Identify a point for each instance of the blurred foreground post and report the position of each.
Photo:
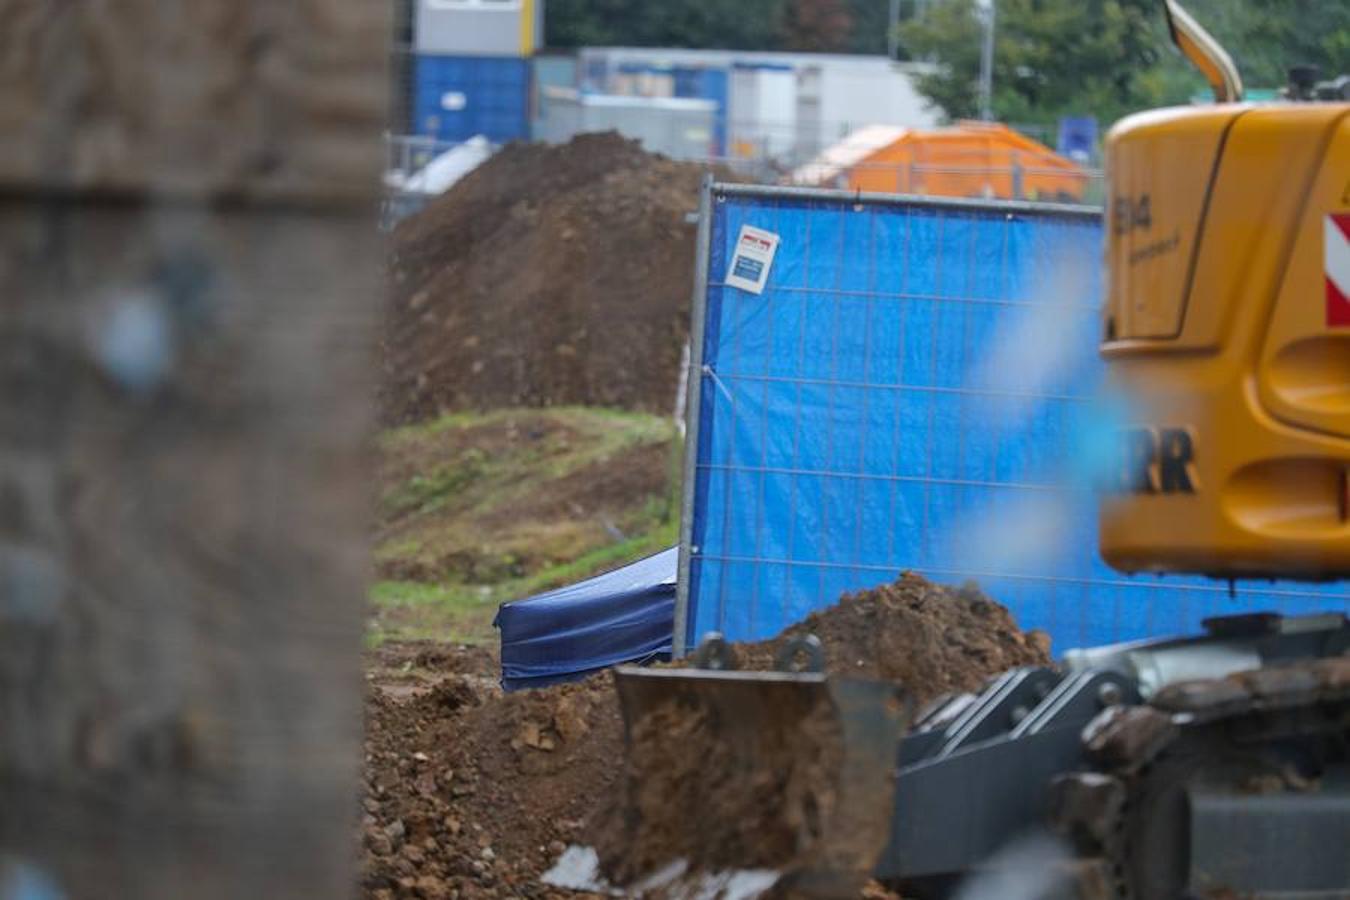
(189, 277)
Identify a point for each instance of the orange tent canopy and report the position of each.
(971, 159)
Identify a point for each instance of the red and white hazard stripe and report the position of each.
(1337, 231)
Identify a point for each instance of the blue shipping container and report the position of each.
(706, 84)
(596, 76)
(458, 97)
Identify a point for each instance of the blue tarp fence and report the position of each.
(621, 616)
(914, 388)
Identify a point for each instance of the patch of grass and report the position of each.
(445, 422)
(393, 551)
(410, 609)
(598, 560)
(446, 461)
(423, 493)
(581, 418)
(481, 509)
(463, 613)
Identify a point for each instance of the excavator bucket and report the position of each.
(774, 780)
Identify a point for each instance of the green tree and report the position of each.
(1051, 58)
(1266, 37)
(730, 24)
(816, 25)
(1107, 58)
(948, 35)
(871, 19)
(836, 26)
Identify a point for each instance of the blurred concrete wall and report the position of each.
(252, 98)
(189, 281)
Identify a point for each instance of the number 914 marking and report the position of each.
(1131, 213)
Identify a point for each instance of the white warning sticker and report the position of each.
(750, 264)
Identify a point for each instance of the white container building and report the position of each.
(785, 107)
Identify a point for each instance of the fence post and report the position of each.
(698, 308)
(189, 278)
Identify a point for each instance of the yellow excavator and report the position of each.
(1215, 765)
(1228, 331)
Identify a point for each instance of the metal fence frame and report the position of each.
(1117, 609)
(694, 396)
(1091, 182)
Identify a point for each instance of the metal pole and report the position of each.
(987, 63)
(817, 195)
(698, 308)
(893, 31)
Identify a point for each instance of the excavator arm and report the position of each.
(1205, 53)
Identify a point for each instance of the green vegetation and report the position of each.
(1108, 58)
(476, 510)
(1053, 58)
(464, 613)
(426, 493)
(1266, 37)
(739, 24)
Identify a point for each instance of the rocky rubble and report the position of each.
(470, 793)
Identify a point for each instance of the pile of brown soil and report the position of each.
(768, 808)
(930, 638)
(550, 275)
(762, 788)
(413, 662)
(470, 793)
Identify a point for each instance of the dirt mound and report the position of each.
(767, 810)
(397, 659)
(763, 795)
(472, 793)
(550, 275)
(930, 638)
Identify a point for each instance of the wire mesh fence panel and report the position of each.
(914, 388)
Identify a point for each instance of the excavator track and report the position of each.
(1229, 787)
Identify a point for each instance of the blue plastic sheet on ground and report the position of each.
(915, 388)
(619, 617)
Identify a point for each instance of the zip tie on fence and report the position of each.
(718, 383)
